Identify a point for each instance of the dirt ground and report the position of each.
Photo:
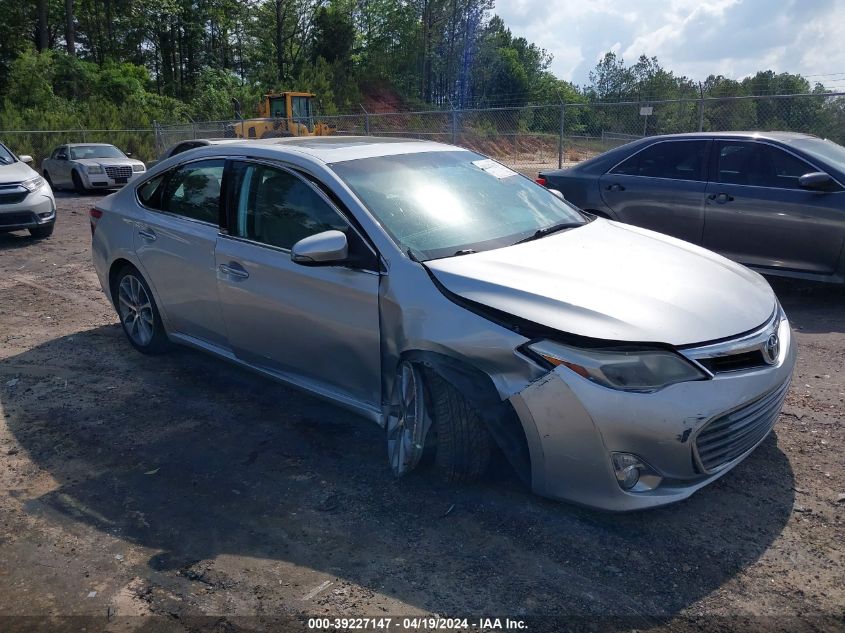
(182, 487)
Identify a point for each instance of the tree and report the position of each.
(70, 29)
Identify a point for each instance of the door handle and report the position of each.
(615, 187)
(147, 234)
(721, 198)
(233, 269)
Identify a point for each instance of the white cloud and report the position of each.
(690, 37)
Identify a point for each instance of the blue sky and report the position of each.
(734, 38)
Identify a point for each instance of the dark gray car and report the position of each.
(771, 200)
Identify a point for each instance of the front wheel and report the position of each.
(138, 313)
(423, 403)
(77, 184)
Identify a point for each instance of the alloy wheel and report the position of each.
(136, 310)
(408, 422)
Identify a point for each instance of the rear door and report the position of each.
(317, 326)
(175, 243)
(661, 187)
(758, 214)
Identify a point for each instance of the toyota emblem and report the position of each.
(771, 350)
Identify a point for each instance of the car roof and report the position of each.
(335, 149)
(87, 145)
(775, 136)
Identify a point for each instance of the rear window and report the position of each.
(676, 160)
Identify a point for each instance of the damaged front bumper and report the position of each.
(574, 427)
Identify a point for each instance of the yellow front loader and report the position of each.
(283, 114)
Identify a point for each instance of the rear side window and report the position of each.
(676, 160)
(275, 207)
(759, 165)
(192, 191)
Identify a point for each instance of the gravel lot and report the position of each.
(180, 486)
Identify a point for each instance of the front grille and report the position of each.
(734, 362)
(124, 171)
(15, 219)
(732, 435)
(12, 194)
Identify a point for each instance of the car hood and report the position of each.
(107, 161)
(16, 172)
(617, 282)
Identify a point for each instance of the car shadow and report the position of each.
(192, 457)
(17, 239)
(817, 308)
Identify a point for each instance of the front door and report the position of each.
(175, 241)
(317, 326)
(662, 188)
(758, 214)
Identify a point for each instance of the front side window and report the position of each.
(440, 203)
(276, 208)
(676, 160)
(759, 165)
(192, 191)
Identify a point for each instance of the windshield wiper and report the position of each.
(554, 228)
(463, 251)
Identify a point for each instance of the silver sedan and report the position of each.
(460, 306)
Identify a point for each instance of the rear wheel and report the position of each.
(41, 232)
(48, 179)
(77, 183)
(138, 313)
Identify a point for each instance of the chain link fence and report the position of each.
(529, 138)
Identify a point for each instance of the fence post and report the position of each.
(700, 107)
(560, 136)
(366, 120)
(454, 122)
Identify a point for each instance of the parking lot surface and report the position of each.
(181, 486)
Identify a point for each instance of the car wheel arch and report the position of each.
(479, 389)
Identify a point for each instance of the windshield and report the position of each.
(95, 151)
(825, 150)
(438, 204)
(6, 157)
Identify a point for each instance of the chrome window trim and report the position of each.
(650, 145)
(278, 164)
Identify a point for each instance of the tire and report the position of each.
(42, 232)
(138, 313)
(464, 446)
(77, 184)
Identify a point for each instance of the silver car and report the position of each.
(460, 306)
(90, 166)
(26, 200)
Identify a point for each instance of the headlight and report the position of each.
(137, 168)
(632, 369)
(33, 184)
(94, 169)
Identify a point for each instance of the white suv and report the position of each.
(26, 199)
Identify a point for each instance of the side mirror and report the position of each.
(26, 158)
(61, 156)
(328, 247)
(815, 180)
(128, 153)
(557, 193)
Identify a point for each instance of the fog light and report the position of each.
(633, 473)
